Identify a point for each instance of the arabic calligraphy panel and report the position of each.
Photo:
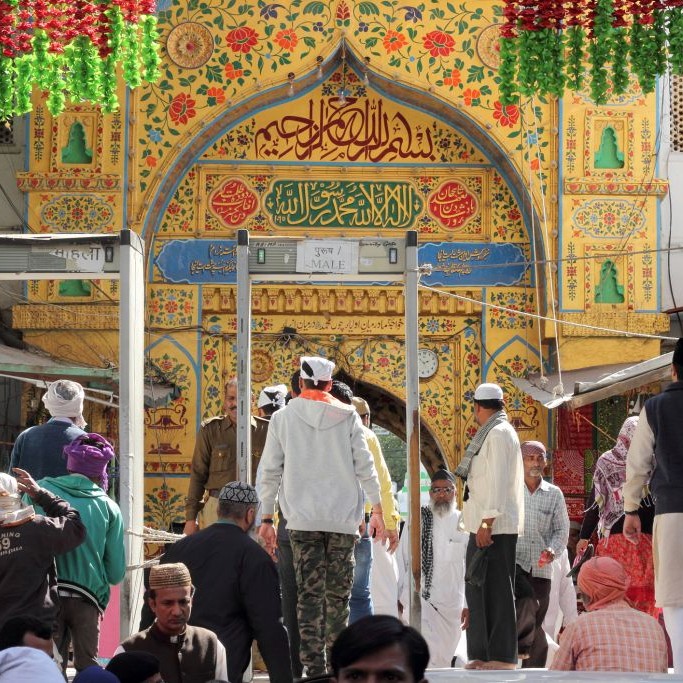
(232, 202)
(343, 204)
(453, 205)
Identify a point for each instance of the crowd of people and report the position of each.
(293, 568)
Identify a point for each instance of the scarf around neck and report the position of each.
(463, 469)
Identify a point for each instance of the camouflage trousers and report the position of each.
(323, 562)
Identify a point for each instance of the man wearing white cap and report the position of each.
(271, 399)
(39, 449)
(493, 515)
(315, 460)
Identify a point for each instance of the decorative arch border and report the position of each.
(396, 90)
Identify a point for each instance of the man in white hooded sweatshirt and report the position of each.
(315, 461)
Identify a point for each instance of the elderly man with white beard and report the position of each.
(442, 593)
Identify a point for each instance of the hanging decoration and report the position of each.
(71, 49)
(547, 46)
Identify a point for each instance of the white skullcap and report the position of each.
(64, 398)
(488, 392)
(316, 368)
(272, 396)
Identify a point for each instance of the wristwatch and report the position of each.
(484, 525)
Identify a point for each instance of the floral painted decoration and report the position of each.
(545, 44)
(71, 49)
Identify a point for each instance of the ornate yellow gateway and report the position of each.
(352, 119)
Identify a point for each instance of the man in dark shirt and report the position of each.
(237, 589)
(28, 545)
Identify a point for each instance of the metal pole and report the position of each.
(243, 358)
(413, 427)
(131, 419)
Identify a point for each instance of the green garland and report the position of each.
(509, 92)
(81, 73)
(576, 37)
(600, 50)
(674, 24)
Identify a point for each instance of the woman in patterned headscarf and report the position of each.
(606, 512)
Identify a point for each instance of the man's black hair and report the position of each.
(233, 510)
(677, 359)
(377, 632)
(342, 392)
(15, 628)
(294, 383)
(491, 403)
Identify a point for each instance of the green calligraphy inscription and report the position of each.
(343, 204)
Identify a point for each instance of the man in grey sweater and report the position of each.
(315, 460)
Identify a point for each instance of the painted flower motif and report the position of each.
(233, 70)
(383, 362)
(241, 39)
(471, 97)
(212, 392)
(343, 12)
(173, 208)
(432, 325)
(505, 115)
(171, 307)
(269, 11)
(215, 96)
(609, 218)
(534, 165)
(210, 355)
(163, 494)
(452, 78)
(514, 215)
(154, 135)
(470, 432)
(432, 411)
(182, 108)
(438, 43)
(393, 41)
(286, 39)
(151, 161)
(412, 14)
(473, 359)
(363, 27)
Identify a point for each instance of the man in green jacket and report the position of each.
(85, 573)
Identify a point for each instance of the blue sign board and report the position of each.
(454, 264)
(472, 264)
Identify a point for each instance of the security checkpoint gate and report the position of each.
(118, 256)
(303, 260)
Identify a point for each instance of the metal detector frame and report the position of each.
(131, 381)
(409, 278)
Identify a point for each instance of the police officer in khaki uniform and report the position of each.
(214, 462)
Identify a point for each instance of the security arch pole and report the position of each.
(131, 420)
(413, 427)
(243, 358)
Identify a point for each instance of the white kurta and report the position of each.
(562, 609)
(441, 613)
(384, 581)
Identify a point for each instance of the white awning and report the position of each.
(588, 385)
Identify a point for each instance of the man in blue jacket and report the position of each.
(85, 573)
(40, 449)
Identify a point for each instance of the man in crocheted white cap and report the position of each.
(315, 460)
(40, 449)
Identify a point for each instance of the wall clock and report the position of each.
(427, 363)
